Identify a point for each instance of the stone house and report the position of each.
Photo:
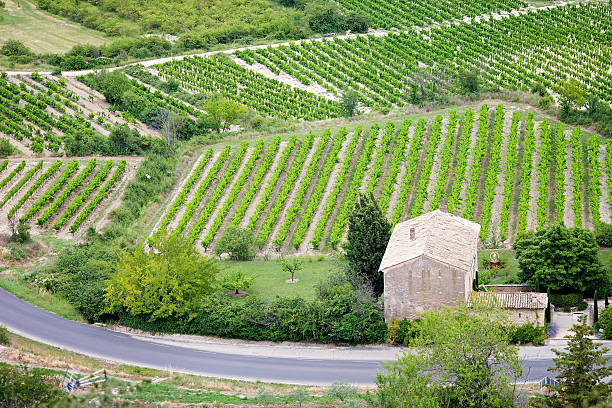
(431, 260)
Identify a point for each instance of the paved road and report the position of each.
(32, 322)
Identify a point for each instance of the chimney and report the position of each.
(412, 234)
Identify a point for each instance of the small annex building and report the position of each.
(430, 261)
(524, 307)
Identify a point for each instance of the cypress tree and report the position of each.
(547, 312)
(537, 285)
(606, 298)
(367, 239)
(595, 311)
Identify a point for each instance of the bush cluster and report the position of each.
(21, 387)
(605, 322)
(341, 315)
(603, 234)
(567, 300)
(528, 333)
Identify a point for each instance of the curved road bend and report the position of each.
(34, 323)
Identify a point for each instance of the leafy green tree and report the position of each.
(291, 265)
(237, 281)
(605, 322)
(167, 280)
(582, 370)
(572, 95)
(462, 358)
(348, 103)
(6, 148)
(14, 48)
(367, 239)
(221, 113)
(469, 82)
(112, 85)
(562, 259)
(238, 243)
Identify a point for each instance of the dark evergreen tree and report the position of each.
(595, 311)
(367, 239)
(582, 370)
(547, 312)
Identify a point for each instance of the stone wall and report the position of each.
(523, 316)
(423, 284)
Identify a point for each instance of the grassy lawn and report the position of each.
(43, 33)
(270, 281)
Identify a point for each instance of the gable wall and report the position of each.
(423, 284)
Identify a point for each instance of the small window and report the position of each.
(519, 315)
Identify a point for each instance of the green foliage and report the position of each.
(342, 391)
(6, 148)
(339, 315)
(368, 235)
(460, 352)
(4, 338)
(348, 103)
(468, 82)
(237, 281)
(238, 243)
(528, 333)
(21, 234)
(221, 113)
(14, 48)
(561, 258)
(23, 388)
(603, 234)
(605, 322)
(572, 95)
(595, 310)
(566, 300)
(169, 279)
(581, 372)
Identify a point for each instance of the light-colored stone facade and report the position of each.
(423, 284)
(523, 316)
(430, 261)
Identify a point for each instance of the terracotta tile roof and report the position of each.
(518, 300)
(438, 235)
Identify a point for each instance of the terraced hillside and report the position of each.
(63, 196)
(40, 114)
(497, 166)
(305, 79)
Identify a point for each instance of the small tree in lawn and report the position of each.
(582, 369)
(291, 265)
(367, 239)
(237, 281)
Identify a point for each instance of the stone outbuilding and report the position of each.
(524, 307)
(430, 261)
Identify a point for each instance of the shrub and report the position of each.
(603, 234)
(4, 338)
(6, 148)
(21, 234)
(545, 102)
(23, 388)
(605, 322)
(15, 48)
(528, 333)
(342, 316)
(16, 253)
(567, 300)
(238, 243)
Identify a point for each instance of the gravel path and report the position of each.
(257, 198)
(498, 198)
(604, 203)
(435, 168)
(533, 183)
(306, 247)
(568, 214)
(401, 173)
